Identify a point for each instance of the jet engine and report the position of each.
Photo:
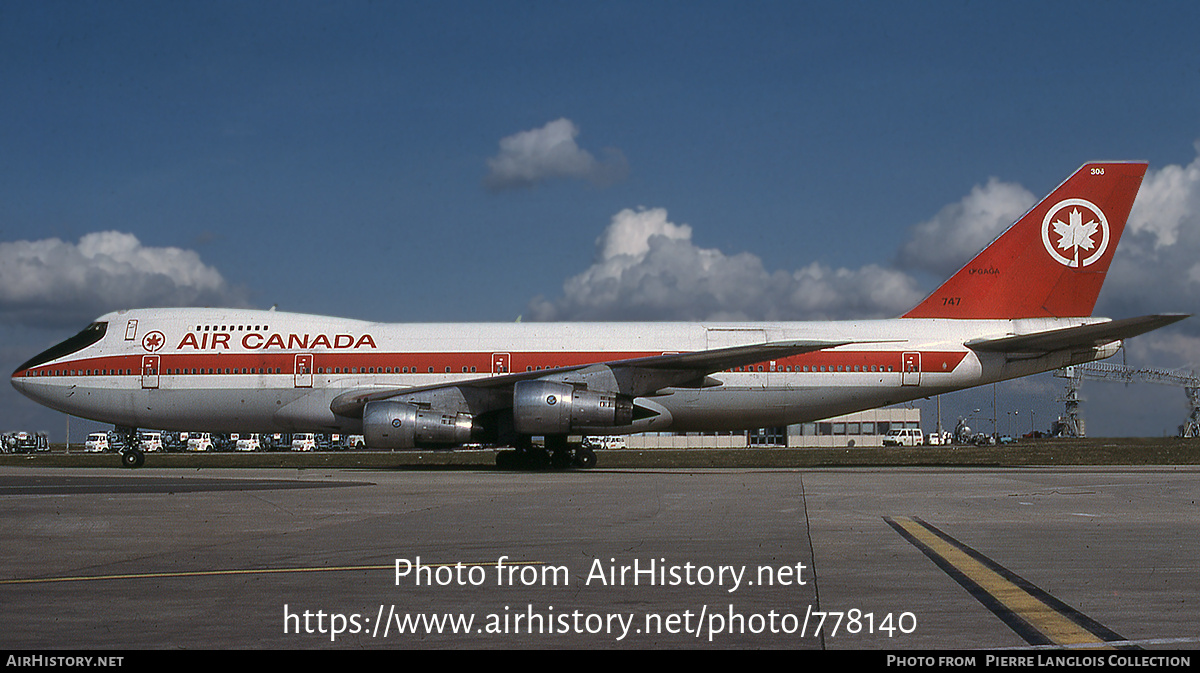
(399, 425)
(553, 408)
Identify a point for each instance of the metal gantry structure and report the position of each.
(1071, 424)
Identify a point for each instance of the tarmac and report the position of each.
(462, 557)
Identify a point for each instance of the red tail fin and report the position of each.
(1052, 262)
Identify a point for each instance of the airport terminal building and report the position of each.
(862, 429)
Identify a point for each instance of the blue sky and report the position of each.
(473, 161)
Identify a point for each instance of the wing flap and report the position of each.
(1081, 336)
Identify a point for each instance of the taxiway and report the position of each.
(864, 558)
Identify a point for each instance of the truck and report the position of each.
(304, 441)
(97, 442)
(199, 441)
(24, 442)
(150, 441)
(247, 443)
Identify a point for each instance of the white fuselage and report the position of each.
(227, 370)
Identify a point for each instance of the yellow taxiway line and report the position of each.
(1035, 615)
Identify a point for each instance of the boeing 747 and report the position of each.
(1022, 306)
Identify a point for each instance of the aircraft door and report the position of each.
(501, 363)
(150, 371)
(910, 367)
(304, 370)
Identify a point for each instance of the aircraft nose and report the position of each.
(26, 385)
(20, 382)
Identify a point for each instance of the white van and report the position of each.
(97, 442)
(150, 441)
(903, 437)
(605, 442)
(304, 441)
(247, 443)
(199, 441)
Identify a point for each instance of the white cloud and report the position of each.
(628, 237)
(647, 268)
(945, 243)
(1168, 202)
(531, 157)
(1168, 348)
(52, 283)
(1155, 268)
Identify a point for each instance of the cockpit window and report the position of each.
(90, 335)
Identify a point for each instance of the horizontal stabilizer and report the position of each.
(1082, 336)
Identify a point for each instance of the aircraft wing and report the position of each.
(701, 363)
(634, 377)
(1081, 336)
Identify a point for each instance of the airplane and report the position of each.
(1022, 306)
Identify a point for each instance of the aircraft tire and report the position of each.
(585, 458)
(133, 459)
(536, 459)
(561, 459)
(507, 460)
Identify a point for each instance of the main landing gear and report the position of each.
(131, 452)
(555, 453)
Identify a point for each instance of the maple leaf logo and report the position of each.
(1074, 233)
(153, 341)
(1080, 240)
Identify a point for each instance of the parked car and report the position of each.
(983, 439)
(903, 437)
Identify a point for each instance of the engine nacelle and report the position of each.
(399, 425)
(552, 408)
